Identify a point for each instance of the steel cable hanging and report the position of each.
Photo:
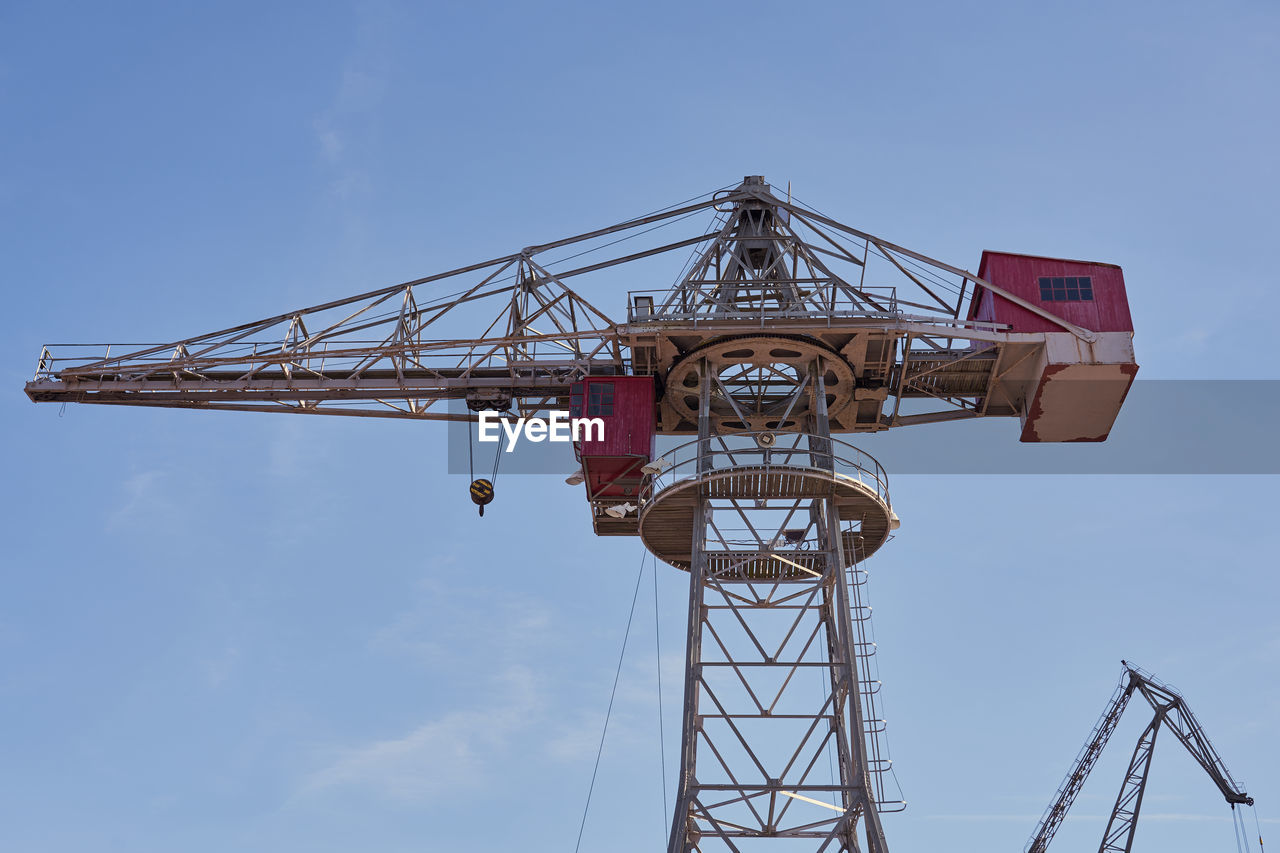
(436, 300)
(662, 736)
(713, 226)
(471, 468)
(831, 764)
(662, 224)
(552, 264)
(609, 711)
(497, 457)
(931, 274)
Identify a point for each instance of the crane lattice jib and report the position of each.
(1089, 753)
(1170, 710)
(893, 323)
(1186, 728)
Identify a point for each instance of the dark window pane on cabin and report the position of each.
(599, 399)
(1066, 288)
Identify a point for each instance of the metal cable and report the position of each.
(714, 226)
(1257, 825)
(609, 711)
(497, 457)
(558, 261)
(924, 270)
(724, 188)
(662, 224)
(825, 687)
(662, 736)
(471, 456)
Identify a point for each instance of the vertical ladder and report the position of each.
(879, 762)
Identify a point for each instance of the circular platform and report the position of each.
(737, 471)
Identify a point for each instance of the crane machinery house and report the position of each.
(1076, 383)
(612, 458)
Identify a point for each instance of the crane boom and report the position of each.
(1172, 712)
(1074, 781)
(1177, 717)
(901, 330)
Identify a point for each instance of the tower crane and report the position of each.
(1171, 711)
(783, 328)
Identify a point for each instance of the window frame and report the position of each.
(1073, 288)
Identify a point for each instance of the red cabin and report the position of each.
(1088, 294)
(611, 461)
(1076, 387)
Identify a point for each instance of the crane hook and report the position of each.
(481, 493)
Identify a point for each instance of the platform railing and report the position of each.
(136, 361)
(766, 300)
(765, 452)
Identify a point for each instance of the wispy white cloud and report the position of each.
(451, 753)
(291, 452)
(985, 818)
(360, 91)
(330, 142)
(1156, 817)
(143, 499)
(575, 740)
(343, 128)
(633, 726)
(462, 749)
(219, 668)
(429, 628)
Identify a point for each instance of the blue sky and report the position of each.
(224, 631)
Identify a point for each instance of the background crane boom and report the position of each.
(1171, 711)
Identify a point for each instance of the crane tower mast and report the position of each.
(784, 329)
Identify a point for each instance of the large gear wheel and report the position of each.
(758, 377)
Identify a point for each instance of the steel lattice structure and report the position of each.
(783, 327)
(775, 529)
(762, 264)
(1172, 712)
